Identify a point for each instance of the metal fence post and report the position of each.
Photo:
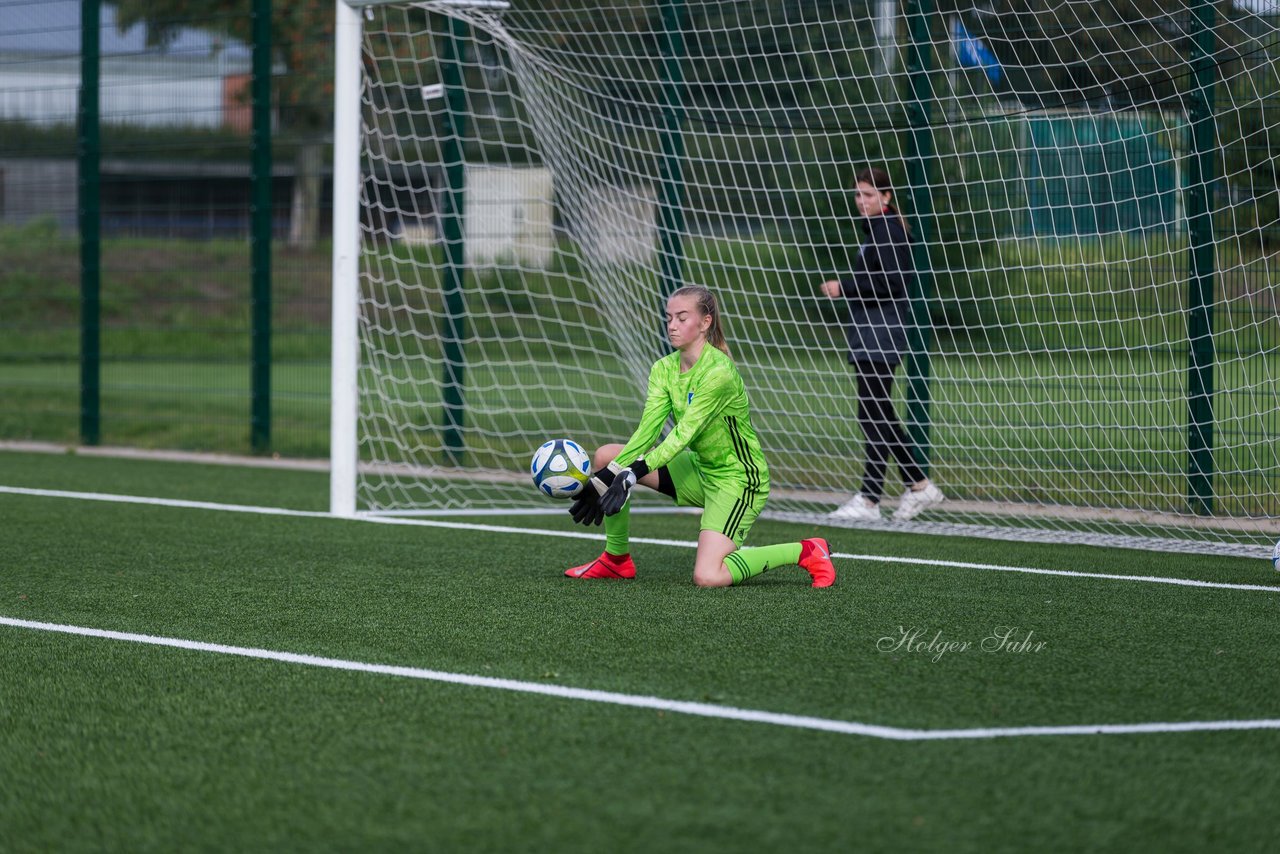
(452, 228)
(1201, 284)
(88, 212)
(675, 17)
(920, 154)
(260, 380)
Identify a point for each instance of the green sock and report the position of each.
(748, 563)
(617, 531)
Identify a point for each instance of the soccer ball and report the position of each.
(560, 468)
(1275, 557)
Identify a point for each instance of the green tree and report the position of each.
(1116, 54)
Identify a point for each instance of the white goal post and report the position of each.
(345, 352)
(348, 135)
(1094, 351)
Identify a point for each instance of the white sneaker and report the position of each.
(859, 509)
(915, 500)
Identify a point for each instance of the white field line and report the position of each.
(703, 710)
(585, 535)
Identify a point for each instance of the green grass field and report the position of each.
(1062, 380)
(203, 726)
(1006, 429)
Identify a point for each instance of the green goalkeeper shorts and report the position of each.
(728, 506)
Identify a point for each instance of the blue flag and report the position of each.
(974, 53)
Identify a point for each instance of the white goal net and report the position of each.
(1091, 187)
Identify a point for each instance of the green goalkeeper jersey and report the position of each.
(709, 406)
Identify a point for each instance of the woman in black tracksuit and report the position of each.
(879, 307)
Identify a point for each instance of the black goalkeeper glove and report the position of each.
(586, 507)
(616, 495)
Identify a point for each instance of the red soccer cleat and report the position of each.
(815, 557)
(605, 566)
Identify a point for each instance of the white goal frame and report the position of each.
(346, 471)
(344, 412)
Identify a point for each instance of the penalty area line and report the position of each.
(584, 535)
(703, 710)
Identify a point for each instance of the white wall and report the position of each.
(508, 215)
(156, 94)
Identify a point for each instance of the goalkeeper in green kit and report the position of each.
(712, 459)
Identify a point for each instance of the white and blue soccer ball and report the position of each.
(1275, 557)
(560, 468)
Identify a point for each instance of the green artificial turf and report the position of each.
(113, 745)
